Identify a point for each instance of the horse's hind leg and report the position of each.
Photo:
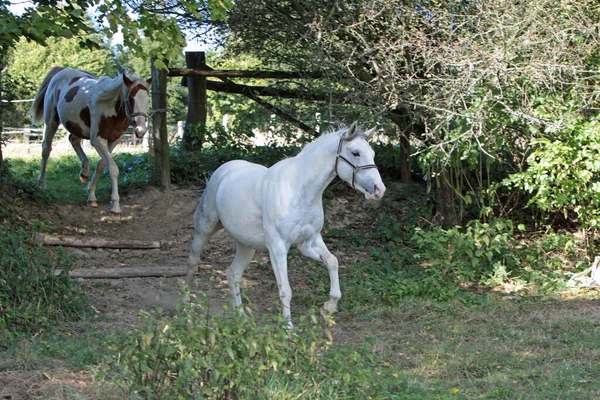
(206, 223)
(50, 126)
(243, 256)
(76, 143)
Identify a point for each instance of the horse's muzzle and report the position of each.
(140, 132)
(379, 191)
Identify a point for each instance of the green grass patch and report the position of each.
(32, 297)
(62, 176)
(66, 346)
(503, 348)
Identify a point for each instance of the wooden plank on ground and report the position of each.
(96, 242)
(126, 272)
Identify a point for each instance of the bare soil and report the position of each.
(155, 215)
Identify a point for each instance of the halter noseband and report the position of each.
(131, 116)
(355, 168)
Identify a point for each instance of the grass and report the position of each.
(62, 176)
(493, 346)
(503, 348)
(64, 346)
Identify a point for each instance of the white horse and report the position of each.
(98, 109)
(282, 206)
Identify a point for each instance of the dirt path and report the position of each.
(155, 215)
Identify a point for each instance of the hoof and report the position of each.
(83, 178)
(115, 215)
(93, 203)
(327, 316)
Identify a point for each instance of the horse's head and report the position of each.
(355, 163)
(138, 98)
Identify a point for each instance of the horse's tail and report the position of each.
(37, 108)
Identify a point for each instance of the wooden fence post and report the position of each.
(162, 170)
(2, 65)
(196, 116)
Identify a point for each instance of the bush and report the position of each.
(31, 296)
(195, 354)
(444, 264)
(562, 175)
(226, 355)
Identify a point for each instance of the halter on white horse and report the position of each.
(279, 207)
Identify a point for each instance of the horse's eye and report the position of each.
(355, 153)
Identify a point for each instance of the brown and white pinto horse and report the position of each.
(98, 109)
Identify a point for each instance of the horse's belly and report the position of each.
(238, 204)
(75, 118)
(243, 222)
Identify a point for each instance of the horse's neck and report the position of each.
(315, 168)
(111, 96)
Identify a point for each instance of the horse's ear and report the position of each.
(368, 133)
(352, 131)
(149, 80)
(126, 80)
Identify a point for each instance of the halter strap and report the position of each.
(131, 116)
(355, 168)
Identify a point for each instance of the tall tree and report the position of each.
(29, 62)
(466, 79)
(165, 23)
(37, 23)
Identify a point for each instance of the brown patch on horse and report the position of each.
(71, 94)
(112, 128)
(135, 89)
(84, 114)
(75, 129)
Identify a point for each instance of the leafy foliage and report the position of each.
(31, 295)
(200, 353)
(164, 24)
(29, 62)
(41, 21)
(563, 175)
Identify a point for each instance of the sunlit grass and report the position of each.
(62, 175)
(502, 348)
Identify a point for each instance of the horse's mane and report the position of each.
(318, 141)
(108, 89)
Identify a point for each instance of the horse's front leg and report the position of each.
(104, 149)
(76, 143)
(278, 254)
(316, 249)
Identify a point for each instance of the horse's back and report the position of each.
(234, 192)
(68, 94)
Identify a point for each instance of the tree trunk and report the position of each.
(196, 116)
(402, 123)
(446, 199)
(1, 117)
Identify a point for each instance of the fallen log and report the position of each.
(126, 272)
(95, 242)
